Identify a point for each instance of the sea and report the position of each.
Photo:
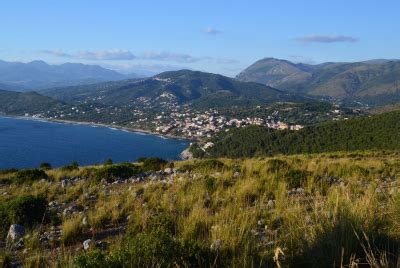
(25, 143)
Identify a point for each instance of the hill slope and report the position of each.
(366, 133)
(38, 74)
(26, 102)
(184, 87)
(376, 82)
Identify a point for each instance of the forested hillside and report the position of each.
(366, 133)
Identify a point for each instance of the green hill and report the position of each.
(27, 102)
(365, 133)
(184, 87)
(375, 82)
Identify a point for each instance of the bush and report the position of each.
(45, 166)
(71, 167)
(25, 210)
(108, 162)
(93, 259)
(153, 164)
(209, 183)
(29, 175)
(296, 178)
(109, 173)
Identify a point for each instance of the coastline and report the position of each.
(133, 130)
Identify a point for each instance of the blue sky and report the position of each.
(216, 36)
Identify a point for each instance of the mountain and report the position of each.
(376, 82)
(26, 102)
(183, 87)
(378, 132)
(38, 75)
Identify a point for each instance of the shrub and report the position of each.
(73, 166)
(109, 173)
(296, 178)
(29, 175)
(153, 164)
(25, 210)
(45, 166)
(108, 162)
(209, 183)
(93, 259)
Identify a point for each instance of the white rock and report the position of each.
(16, 232)
(87, 244)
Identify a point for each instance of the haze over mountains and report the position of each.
(35, 75)
(373, 81)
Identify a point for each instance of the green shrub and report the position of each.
(93, 259)
(71, 167)
(153, 164)
(29, 175)
(109, 173)
(296, 178)
(45, 166)
(209, 183)
(25, 210)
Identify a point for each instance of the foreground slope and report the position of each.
(365, 133)
(293, 211)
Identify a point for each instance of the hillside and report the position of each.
(183, 87)
(297, 211)
(38, 75)
(378, 132)
(376, 82)
(26, 102)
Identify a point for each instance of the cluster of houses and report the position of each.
(205, 124)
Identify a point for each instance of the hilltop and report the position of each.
(183, 87)
(19, 103)
(375, 82)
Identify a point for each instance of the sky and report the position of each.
(216, 36)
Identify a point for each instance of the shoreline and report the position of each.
(133, 130)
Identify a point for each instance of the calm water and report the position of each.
(27, 143)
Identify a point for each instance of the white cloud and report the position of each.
(93, 55)
(212, 31)
(327, 39)
(168, 56)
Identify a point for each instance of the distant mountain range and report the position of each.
(374, 81)
(35, 75)
(184, 87)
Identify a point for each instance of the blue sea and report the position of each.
(26, 143)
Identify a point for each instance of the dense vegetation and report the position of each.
(365, 133)
(28, 102)
(342, 212)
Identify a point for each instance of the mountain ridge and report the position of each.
(35, 75)
(374, 81)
